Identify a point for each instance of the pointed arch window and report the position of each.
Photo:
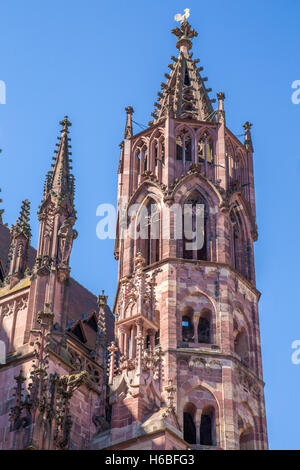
(241, 346)
(240, 251)
(145, 152)
(204, 328)
(194, 206)
(205, 149)
(189, 428)
(188, 148)
(207, 427)
(138, 163)
(187, 325)
(152, 245)
(184, 147)
(201, 151)
(179, 148)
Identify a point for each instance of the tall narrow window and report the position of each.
(187, 325)
(201, 151)
(241, 347)
(162, 152)
(204, 329)
(206, 427)
(188, 148)
(145, 150)
(195, 225)
(155, 153)
(209, 151)
(151, 245)
(138, 163)
(179, 148)
(189, 430)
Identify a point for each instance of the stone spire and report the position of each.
(184, 93)
(20, 235)
(60, 180)
(57, 217)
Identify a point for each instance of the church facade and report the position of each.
(183, 346)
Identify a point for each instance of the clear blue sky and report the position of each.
(91, 59)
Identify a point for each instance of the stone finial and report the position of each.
(221, 96)
(248, 139)
(221, 113)
(128, 128)
(65, 123)
(102, 300)
(184, 34)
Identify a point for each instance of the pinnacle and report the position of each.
(22, 224)
(59, 179)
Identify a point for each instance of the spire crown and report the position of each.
(184, 34)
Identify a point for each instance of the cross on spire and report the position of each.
(65, 123)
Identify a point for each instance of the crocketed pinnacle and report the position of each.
(22, 225)
(60, 180)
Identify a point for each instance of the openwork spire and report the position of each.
(184, 94)
(60, 180)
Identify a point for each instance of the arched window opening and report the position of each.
(240, 257)
(138, 163)
(155, 153)
(207, 427)
(147, 342)
(247, 440)
(189, 428)
(201, 151)
(204, 328)
(193, 208)
(187, 325)
(205, 149)
(162, 155)
(241, 346)
(151, 244)
(145, 152)
(188, 148)
(184, 147)
(187, 81)
(179, 148)
(209, 151)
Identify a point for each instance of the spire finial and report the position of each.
(128, 128)
(248, 139)
(221, 98)
(65, 123)
(185, 33)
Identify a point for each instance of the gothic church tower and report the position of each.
(185, 370)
